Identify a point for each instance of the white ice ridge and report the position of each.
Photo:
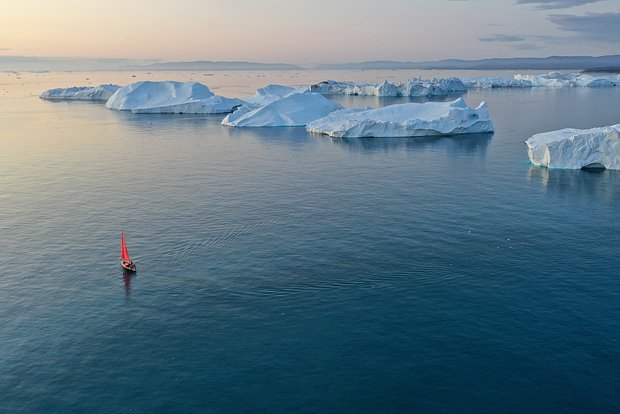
(170, 97)
(576, 148)
(295, 109)
(413, 87)
(560, 79)
(406, 120)
(81, 93)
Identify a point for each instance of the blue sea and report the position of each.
(284, 272)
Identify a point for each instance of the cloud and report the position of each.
(502, 38)
(592, 26)
(514, 41)
(556, 4)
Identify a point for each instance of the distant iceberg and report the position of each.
(432, 87)
(170, 97)
(415, 87)
(563, 80)
(295, 109)
(81, 93)
(332, 87)
(576, 148)
(405, 120)
(497, 82)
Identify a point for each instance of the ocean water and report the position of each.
(284, 272)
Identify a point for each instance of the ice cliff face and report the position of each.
(576, 148)
(170, 97)
(81, 93)
(405, 120)
(295, 109)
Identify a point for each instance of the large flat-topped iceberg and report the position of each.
(170, 97)
(415, 87)
(406, 120)
(296, 109)
(560, 79)
(576, 148)
(81, 93)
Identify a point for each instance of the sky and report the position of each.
(308, 31)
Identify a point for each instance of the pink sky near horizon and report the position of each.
(299, 32)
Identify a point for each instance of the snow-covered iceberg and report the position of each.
(415, 87)
(170, 97)
(405, 120)
(576, 148)
(295, 109)
(497, 82)
(271, 93)
(81, 93)
(563, 80)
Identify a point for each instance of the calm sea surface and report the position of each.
(283, 272)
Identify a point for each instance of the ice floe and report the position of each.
(295, 109)
(415, 87)
(405, 120)
(170, 97)
(576, 148)
(81, 93)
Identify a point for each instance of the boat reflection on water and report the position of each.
(127, 279)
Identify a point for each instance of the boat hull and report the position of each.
(131, 266)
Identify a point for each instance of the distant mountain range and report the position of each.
(547, 63)
(60, 64)
(37, 63)
(211, 65)
(34, 63)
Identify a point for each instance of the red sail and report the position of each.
(124, 253)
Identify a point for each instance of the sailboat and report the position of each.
(126, 262)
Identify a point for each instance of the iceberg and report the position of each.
(296, 109)
(213, 105)
(170, 97)
(81, 93)
(564, 80)
(576, 148)
(271, 93)
(418, 87)
(331, 87)
(432, 87)
(497, 82)
(405, 120)
(415, 87)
